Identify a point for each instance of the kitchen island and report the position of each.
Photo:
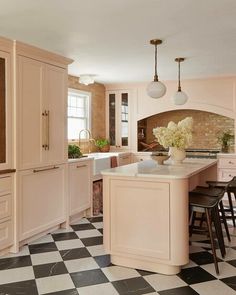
(145, 207)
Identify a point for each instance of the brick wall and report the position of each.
(206, 128)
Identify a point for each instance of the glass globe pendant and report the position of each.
(156, 89)
(180, 97)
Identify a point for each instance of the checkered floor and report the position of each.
(72, 262)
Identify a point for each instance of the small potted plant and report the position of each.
(226, 139)
(74, 151)
(103, 144)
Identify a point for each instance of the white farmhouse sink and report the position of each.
(101, 162)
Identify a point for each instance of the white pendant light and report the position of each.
(156, 89)
(180, 97)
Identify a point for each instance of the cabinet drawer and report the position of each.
(6, 234)
(5, 184)
(227, 163)
(226, 174)
(5, 206)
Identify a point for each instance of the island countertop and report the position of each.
(150, 168)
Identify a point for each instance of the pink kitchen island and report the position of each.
(145, 207)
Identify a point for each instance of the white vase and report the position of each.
(177, 155)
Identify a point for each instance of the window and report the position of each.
(78, 112)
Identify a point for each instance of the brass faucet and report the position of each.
(90, 139)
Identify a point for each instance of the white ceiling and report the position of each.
(110, 38)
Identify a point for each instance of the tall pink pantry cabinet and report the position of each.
(41, 141)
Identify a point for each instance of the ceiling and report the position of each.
(110, 38)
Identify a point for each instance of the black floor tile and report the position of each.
(179, 291)
(201, 258)
(232, 262)
(75, 253)
(65, 292)
(19, 288)
(88, 278)
(92, 241)
(50, 269)
(96, 219)
(83, 226)
(101, 230)
(14, 262)
(231, 282)
(44, 247)
(103, 260)
(194, 275)
(135, 286)
(64, 236)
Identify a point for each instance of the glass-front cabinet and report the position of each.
(5, 110)
(118, 111)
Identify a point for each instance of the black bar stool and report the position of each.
(230, 188)
(214, 192)
(209, 205)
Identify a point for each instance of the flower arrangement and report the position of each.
(175, 135)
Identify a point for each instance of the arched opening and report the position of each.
(208, 127)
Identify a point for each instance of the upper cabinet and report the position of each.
(41, 109)
(6, 50)
(118, 118)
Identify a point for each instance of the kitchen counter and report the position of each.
(150, 168)
(145, 209)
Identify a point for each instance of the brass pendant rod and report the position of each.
(179, 86)
(155, 76)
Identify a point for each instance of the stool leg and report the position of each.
(224, 220)
(191, 222)
(231, 207)
(209, 224)
(218, 229)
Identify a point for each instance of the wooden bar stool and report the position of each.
(209, 205)
(230, 188)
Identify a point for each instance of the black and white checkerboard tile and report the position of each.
(72, 262)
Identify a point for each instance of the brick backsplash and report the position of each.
(206, 128)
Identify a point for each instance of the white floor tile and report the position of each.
(163, 282)
(16, 275)
(88, 233)
(44, 239)
(213, 288)
(23, 251)
(54, 284)
(230, 254)
(101, 289)
(190, 264)
(98, 224)
(44, 258)
(116, 273)
(226, 270)
(81, 264)
(96, 250)
(81, 221)
(69, 244)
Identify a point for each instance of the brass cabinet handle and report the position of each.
(81, 166)
(48, 129)
(230, 162)
(44, 145)
(45, 169)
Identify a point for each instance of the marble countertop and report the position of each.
(150, 168)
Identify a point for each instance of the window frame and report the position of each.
(88, 109)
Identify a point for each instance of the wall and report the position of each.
(214, 95)
(98, 120)
(206, 128)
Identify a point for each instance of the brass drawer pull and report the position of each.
(46, 169)
(81, 166)
(230, 162)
